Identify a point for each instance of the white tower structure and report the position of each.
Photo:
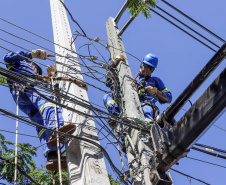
(86, 164)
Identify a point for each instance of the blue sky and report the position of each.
(180, 59)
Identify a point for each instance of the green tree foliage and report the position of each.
(44, 177)
(26, 164)
(137, 6)
(112, 181)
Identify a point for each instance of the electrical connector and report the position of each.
(96, 39)
(94, 57)
(104, 66)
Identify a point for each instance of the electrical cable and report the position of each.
(187, 26)
(18, 133)
(57, 61)
(63, 46)
(209, 153)
(204, 28)
(182, 29)
(20, 81)
(220, 128)
(206, 162)
(70, 136)
(73, 18)
(211, 148)
(190, 176)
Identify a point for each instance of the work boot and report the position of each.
(69, 129)
(52, 161)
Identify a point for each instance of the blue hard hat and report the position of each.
(151, 60)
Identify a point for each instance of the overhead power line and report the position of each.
(182, 29)
(72, 17)
(188, 27)
(209, 153)
(70, 136)
(206, 162)
(211, 148)
(190, 176)
(201, 26)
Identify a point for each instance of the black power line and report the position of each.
(222, 40)
(182, 29)
(206, 162)
(190, 176)
(209, 153)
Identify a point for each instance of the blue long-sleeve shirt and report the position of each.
(154, 82)
(17, 62)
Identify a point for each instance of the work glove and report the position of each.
(38, 53)
(151, 90)
(51, 71)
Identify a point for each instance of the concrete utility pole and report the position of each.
(86, 164)
(140, 174)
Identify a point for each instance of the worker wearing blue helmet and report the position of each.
(150, 90)
(37, 108)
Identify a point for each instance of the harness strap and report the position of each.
(33, 113)
(155, 108)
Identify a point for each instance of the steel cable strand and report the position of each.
(123, 120)
(45, 97)
(60, 45)
(38, 36)
(188, 27)
(182, 29)
(189, 176)
(222, 40)
(67, 135)
(71, 99)
(55, 61)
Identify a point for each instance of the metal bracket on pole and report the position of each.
(125, 26)
(121, 11)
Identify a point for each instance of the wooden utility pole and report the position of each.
(86, 164)
(140, 174)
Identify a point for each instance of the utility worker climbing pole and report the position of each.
(110, 103)
(150, 90)
(37, 108)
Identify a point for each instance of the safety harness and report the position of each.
(144, 101)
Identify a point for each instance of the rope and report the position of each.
(58, 140)
(16, 142)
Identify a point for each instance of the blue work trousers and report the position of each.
(44, 116)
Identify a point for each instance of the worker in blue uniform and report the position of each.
(150, 90)
(37, 108)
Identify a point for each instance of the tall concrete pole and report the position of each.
(131, 108)
(86, 164)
